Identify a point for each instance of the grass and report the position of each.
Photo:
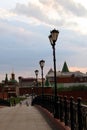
(15, 100)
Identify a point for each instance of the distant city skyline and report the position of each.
(24, 30)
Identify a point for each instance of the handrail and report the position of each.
(72, 113)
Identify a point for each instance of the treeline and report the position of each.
(73, 88)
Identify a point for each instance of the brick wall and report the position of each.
(75, 94)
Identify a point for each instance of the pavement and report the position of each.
(22, 117)
(25, 117)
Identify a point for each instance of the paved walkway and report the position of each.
(23, 118)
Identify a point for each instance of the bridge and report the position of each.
(37, 113)
(24, 116)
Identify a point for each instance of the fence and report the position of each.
(72, 113)
(4, 102)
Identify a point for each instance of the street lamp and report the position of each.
(42, 62)
(36, 73)
(32, 97)
(53, 38)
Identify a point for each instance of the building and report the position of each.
(27, 82)
(10, 86)
(65, 78)
(27, 85)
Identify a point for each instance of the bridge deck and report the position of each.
(24, 118)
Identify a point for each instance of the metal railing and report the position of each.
(72, 113)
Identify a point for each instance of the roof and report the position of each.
(13, 81)
(65, 68)
(27, 79)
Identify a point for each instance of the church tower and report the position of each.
(12, 76)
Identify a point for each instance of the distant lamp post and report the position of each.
(42, 62)
(32, 97)
(53, 38)
(36, 73)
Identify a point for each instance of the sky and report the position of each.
(24, 29)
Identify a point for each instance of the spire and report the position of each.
(65, 67)
(6, 79)
(47, 83)
(12, 79)
(12, 76)
(50, 71)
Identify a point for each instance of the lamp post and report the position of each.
(42, 62)
(32, 96)
(53, 38)
(36, 73)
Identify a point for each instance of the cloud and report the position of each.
(30, 10)
(24, 34)
(71, 6)
(38, 12)
(81, 69)
(55, 13)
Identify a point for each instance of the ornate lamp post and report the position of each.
(36, 73)
(53, 38)
(42, 62)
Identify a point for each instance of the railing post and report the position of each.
(52, 103)
(66, 110)
(40, 100)
(58, 107)
(61, 108)
(55, 107)
(72, 113)
(80, 125)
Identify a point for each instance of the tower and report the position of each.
(65, 67)
(6, 79)
(12, 76)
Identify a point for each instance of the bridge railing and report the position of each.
(72, 113)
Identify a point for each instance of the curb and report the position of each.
(55, 123)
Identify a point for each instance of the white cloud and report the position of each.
(54, 13)
(72, 7)
(6, 14)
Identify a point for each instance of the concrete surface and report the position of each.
(26, 117)
(22, 117)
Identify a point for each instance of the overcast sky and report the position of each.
(24, 29)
